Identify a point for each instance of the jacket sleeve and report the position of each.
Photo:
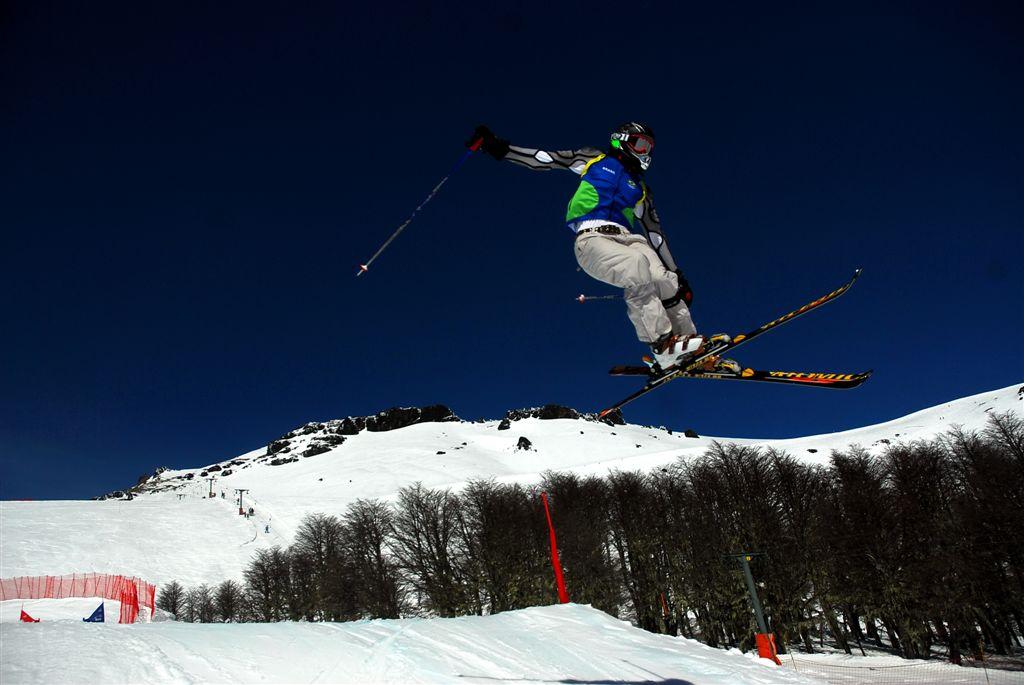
(648, 217)
(545, 160)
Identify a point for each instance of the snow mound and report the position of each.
(556, 644)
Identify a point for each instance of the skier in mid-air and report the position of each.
(610, 200)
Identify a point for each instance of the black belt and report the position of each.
(607, 229)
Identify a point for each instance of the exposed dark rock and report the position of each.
(690, 433)
(504, 425)
(204, 474)
(524, 444)
(215, 467)
(811, 450)
(276, 446)
(189, 476)
(226, 472)
(351, 426)
(315, 448)
(548, 411)
(278, 462)
(400, 417)
(310, 428)
(441, 452)
(438, 413)
(324, 443)
(143, 478)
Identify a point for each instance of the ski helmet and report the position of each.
(636, 140)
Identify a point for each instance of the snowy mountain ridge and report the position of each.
(315, 438)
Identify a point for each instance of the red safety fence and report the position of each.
(129, 591)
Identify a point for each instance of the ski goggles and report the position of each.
(637, 143)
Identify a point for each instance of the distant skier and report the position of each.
(610, 200)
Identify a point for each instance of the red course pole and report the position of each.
(563, 596)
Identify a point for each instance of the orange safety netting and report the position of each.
(127, 590)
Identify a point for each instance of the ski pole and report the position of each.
(363, 268)
(587, 298)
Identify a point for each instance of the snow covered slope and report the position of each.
(174, 532)
(557, 644)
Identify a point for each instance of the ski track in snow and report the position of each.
(556, 644)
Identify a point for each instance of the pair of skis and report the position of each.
(695, 366)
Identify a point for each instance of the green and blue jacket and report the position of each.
(607, 192)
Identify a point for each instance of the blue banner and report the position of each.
(97, 616)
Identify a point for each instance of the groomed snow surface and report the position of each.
(557, 644)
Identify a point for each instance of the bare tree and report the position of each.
(228, 602)
(199, 605)
(375, 576)
(171, 597)
(424, 534)
(581, 513)
(268, 584)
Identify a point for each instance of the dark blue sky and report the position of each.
(187, 188)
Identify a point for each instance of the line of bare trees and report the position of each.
(920, 547)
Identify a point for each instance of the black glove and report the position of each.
(491, 144)
(683, 294)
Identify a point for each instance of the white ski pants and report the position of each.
(628, 261)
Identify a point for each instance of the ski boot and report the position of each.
(673, 349)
